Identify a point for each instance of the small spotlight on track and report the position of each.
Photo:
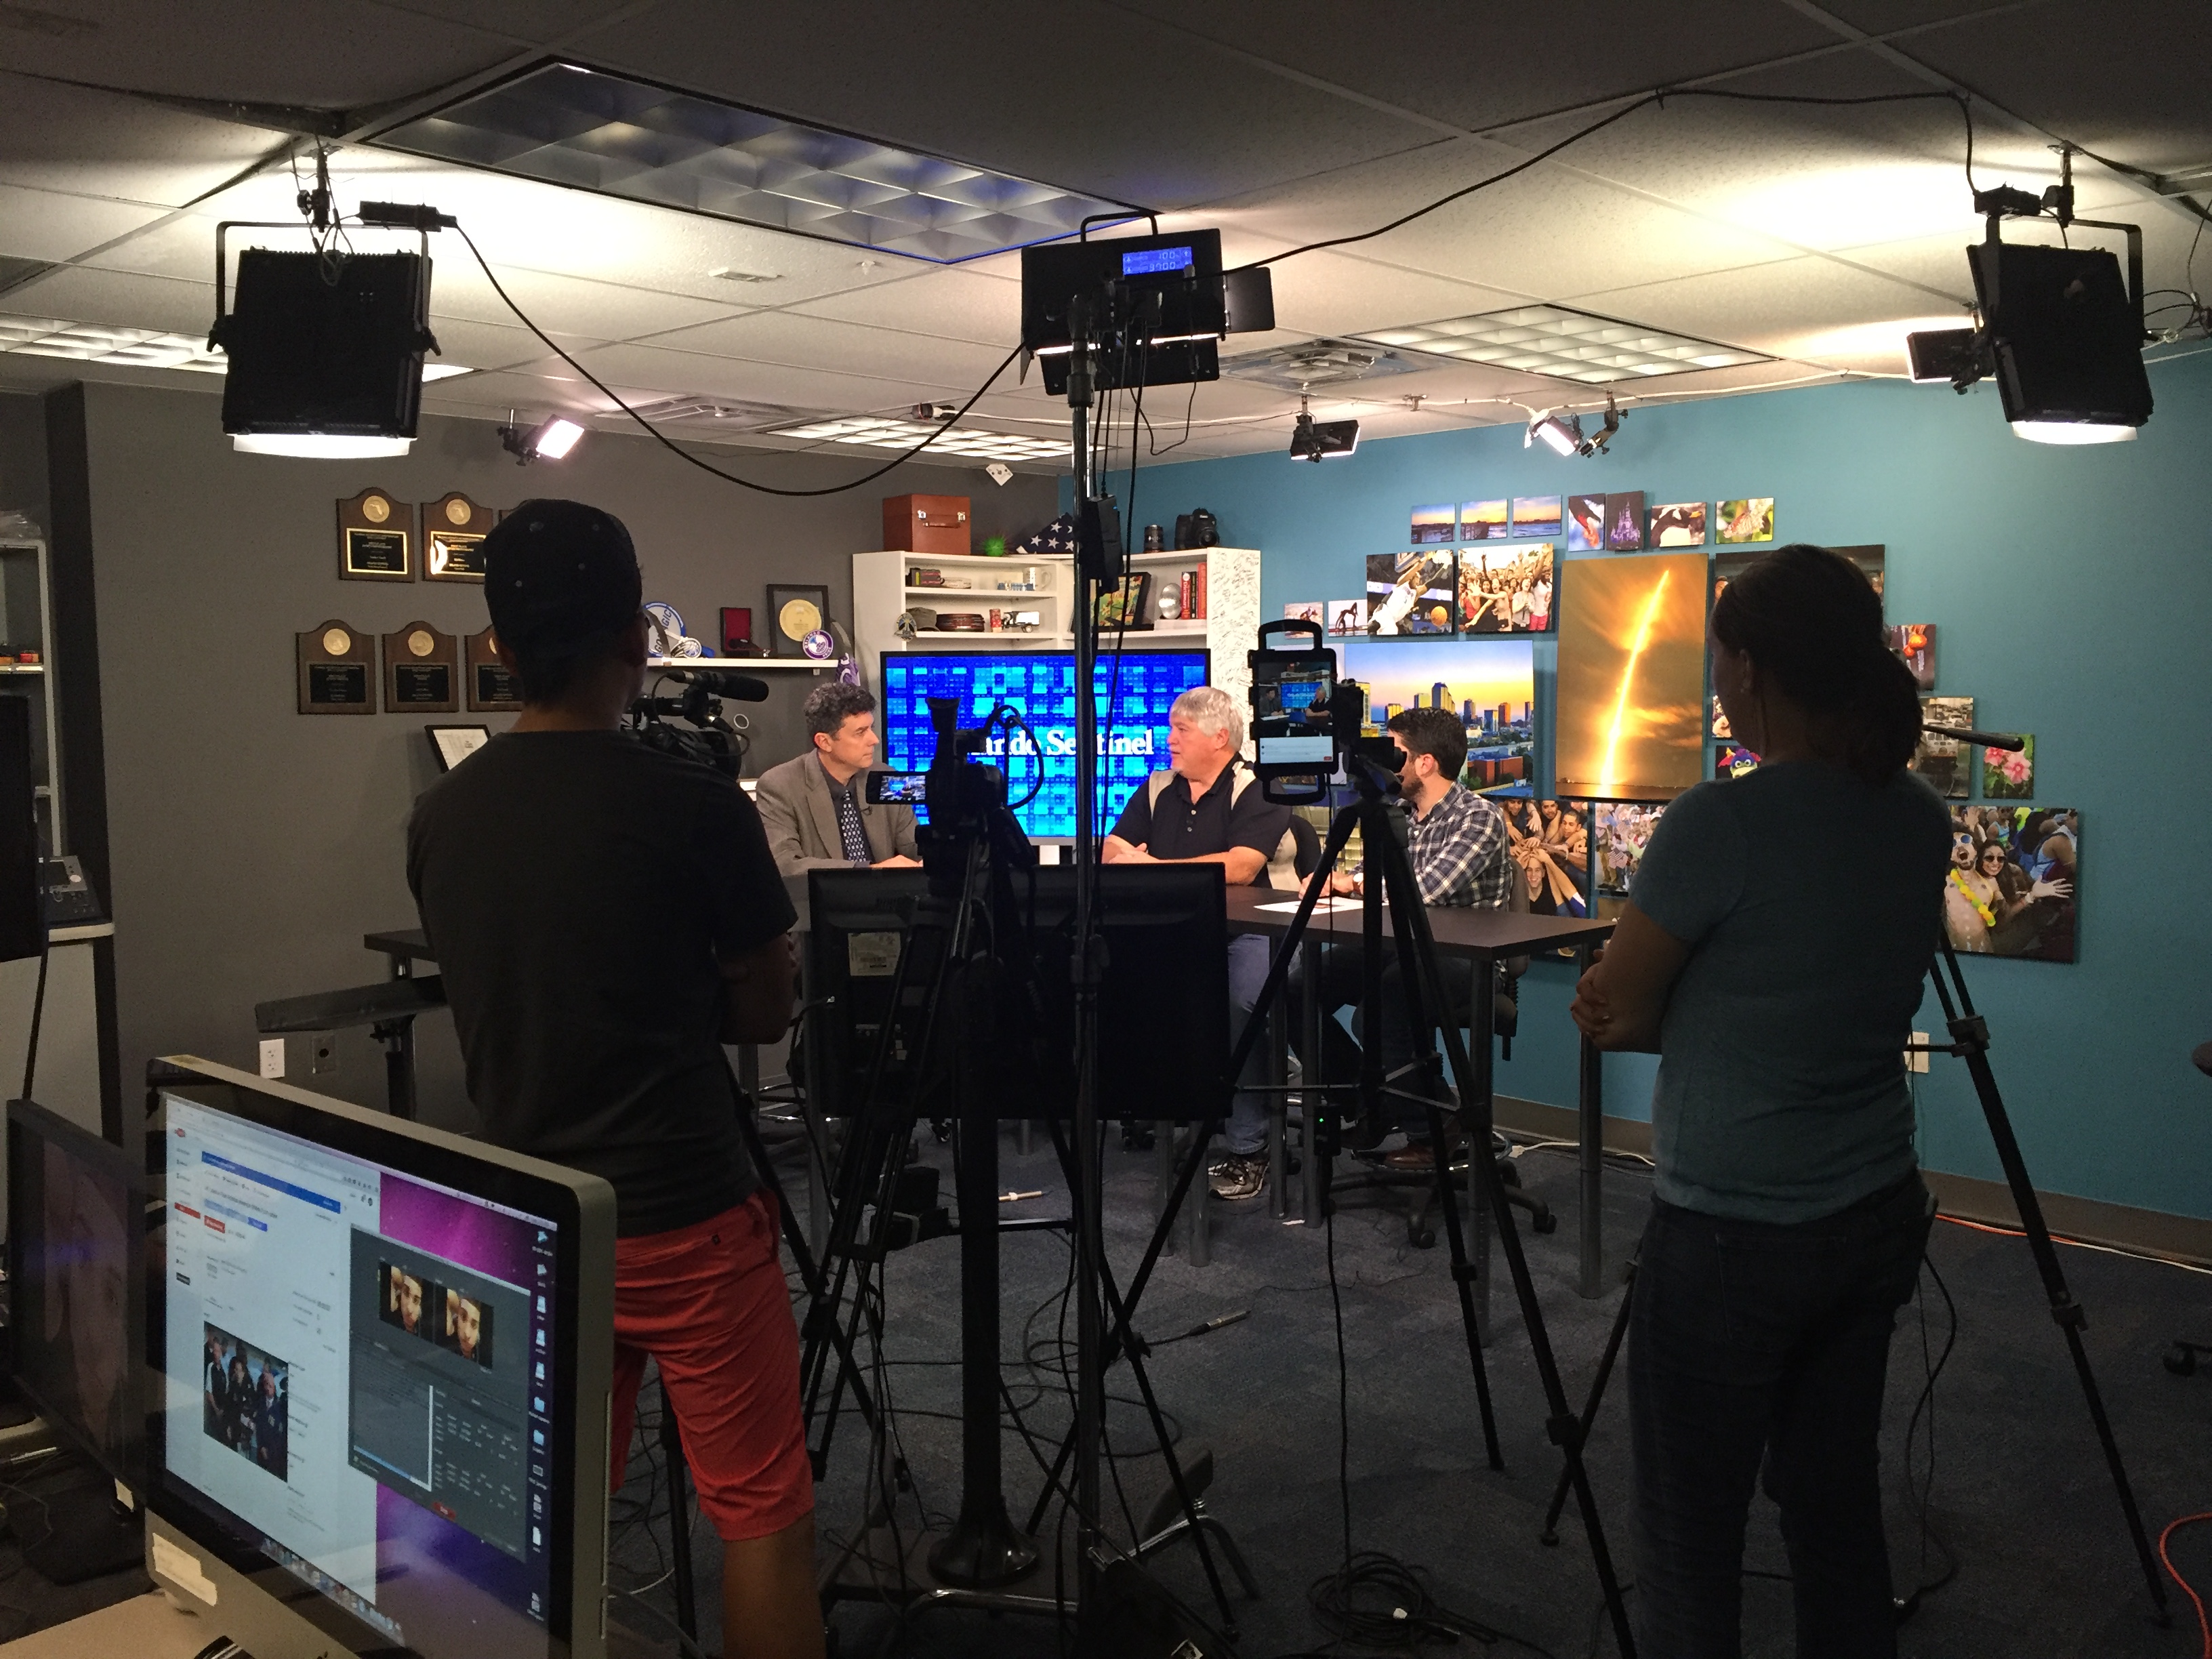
(1321, 440)
(551, 439)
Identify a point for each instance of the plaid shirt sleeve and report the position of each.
(1458, 853)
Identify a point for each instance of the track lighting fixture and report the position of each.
(1321, 440)
(1563, 435)
(551, 439)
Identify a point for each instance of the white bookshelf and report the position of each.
(882, 590)
(27, 623)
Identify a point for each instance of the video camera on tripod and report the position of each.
(707, 735)
(1307, 724)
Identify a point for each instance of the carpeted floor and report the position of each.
(2020, 1492)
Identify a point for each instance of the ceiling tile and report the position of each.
(786, 338)
(666, 371)
(96, 144)
(954, 302)
(43, 224)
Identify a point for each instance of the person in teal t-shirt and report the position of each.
(1772, 953)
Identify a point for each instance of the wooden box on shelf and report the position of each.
(926, 524)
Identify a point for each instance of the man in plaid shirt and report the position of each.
(1456, 844)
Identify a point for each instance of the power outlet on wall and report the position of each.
(322, 1053)
(272, 1057)
(1915, 1060)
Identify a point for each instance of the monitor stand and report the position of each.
(86, 1533)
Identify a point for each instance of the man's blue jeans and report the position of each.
(1751, 1341)
(1248, 1112)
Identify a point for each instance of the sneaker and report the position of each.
(1238, 1177)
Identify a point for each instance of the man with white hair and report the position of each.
(1208, 808)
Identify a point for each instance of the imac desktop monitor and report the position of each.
(388, 1351)
(1040, 685)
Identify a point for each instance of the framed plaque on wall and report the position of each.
(453, 529)
(376, 539)
(421, 668)
(338, 669)
(491, 686)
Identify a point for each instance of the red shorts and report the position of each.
(710, 1304)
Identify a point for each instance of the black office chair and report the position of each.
(2184, 1357)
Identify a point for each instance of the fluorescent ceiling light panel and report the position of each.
(1564, 345)
(967, 442)
(141, 348)
(565, 125)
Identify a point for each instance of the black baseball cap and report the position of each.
(559, 576)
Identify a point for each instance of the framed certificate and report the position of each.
(453, 744)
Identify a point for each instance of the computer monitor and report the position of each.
(1041, 686)
(387, 1354)
(1163, 1007)
(77, 1240)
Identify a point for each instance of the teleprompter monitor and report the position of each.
(1163, 1007)
(1040, 686)
(388, 1355)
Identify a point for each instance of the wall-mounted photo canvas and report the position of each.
(1624, 521)
(1619, 836)
(1548, 842)
(1585, 523)
(1491, 684)
(1409, 593)
(1345, 618)
(1943, 760)
(1632, 680)
(1749, 519)
(1679, 524)
(1508, 589)
(1720, 721)
(2010, 774)
(2013, 886)
(1916, 643)
(1435, 524)
(1536, 515)
(1313, 611)
(1483, 521)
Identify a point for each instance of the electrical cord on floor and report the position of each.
(2203, 1621)
(675, 1628)
(1920, 1491)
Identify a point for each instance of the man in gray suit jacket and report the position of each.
(815, 807)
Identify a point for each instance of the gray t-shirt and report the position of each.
(1811, 903)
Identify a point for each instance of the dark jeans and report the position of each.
(1750, 1340)
(1341, 985)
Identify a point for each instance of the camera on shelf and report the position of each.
(1306, 722)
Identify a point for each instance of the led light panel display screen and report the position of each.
(1631, 722)
(1040, 686)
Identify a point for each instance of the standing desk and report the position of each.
(1485, 937)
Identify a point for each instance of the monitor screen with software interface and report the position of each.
(372, 1373)
(1040, 686)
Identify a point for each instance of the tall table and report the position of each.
(1485, 937)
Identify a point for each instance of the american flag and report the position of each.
(1058, 537)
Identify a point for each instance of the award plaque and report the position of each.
(453, 529)
(338, 669)
(795, 611)
(420, 668)
(491, 687)
(376, 539)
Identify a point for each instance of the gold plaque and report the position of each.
(459, 511)
(421, 671)
(375, 509)
(799, 617)
(336, 670)
(421, 643)
(374, 532)
(336, 641)
(453, 529)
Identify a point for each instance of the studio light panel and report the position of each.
(565, 125)
(1564, 345)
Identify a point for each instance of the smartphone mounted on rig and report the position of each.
(1305, 721)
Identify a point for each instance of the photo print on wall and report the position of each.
(1942, 761)
(1619, 833)
(1623, 522)
(1720, 721)
(1548, 842)
(1631, 710)
(1482, 521)
(2013, 889)
(1679, 524)
(1508, 590)
(1491, 684)
(1536, 515)
(1409, 593)
(1345, 618)
(1435, 524)
(1916, 643)
(1312, 611)
(2010, 774)
(1747, 520)
(1585, 523)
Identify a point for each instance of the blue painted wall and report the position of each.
(2072, 589)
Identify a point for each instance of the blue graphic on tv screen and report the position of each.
(1040, 686)
(1155, 261)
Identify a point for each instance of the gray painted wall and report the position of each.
(23, 457)
(251, 847)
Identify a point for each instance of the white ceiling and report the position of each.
(1813, 235)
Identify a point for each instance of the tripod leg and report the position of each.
(1971, 1037)
(1551, 1533)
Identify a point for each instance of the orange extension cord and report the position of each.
(2203, 1624)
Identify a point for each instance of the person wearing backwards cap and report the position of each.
(606, 915)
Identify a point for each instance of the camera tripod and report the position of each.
(1970, 1041)
(1383, 838)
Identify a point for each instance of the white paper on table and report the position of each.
(1334, 902)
